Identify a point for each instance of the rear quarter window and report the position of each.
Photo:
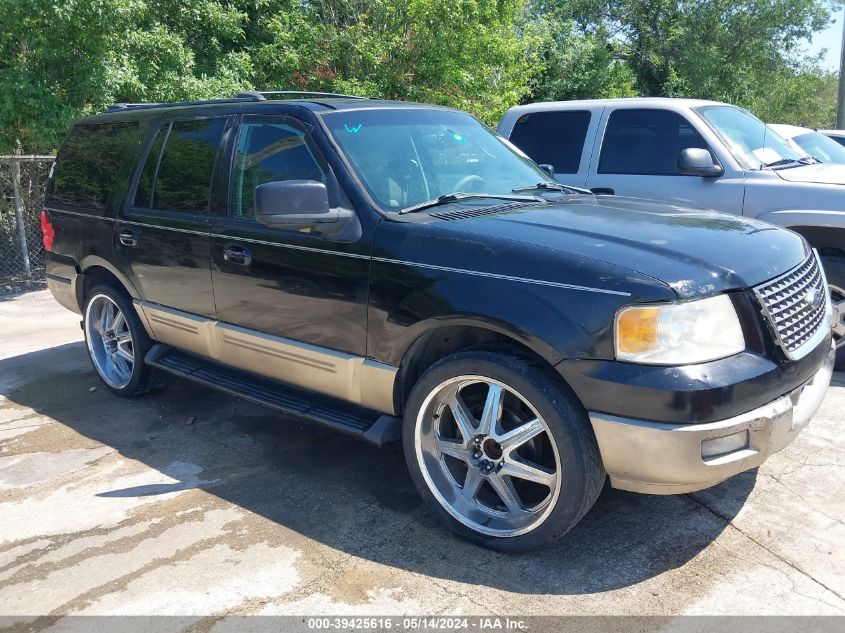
(88, 163)
(554, 138)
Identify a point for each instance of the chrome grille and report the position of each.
(788, 303)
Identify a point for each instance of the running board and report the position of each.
(369, 425)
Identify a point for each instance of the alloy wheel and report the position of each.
(837, 297)
(487, 456)
(109, 341)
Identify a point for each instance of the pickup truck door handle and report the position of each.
(128, 238)
(239, 255)
(603, 191)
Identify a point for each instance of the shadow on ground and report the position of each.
(348, 495)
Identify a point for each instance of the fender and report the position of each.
(90, 261)
(824, 230)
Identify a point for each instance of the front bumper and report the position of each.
(665, 458)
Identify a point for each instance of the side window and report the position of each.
(88, 163)
(177, 173)
(646, 142)
(268, 152)
(556, 138)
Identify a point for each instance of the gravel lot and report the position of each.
(111, 506)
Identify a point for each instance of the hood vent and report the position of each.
(461, 214)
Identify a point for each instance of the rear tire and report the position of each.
(517, 466)
(834, 270)
(117, 342)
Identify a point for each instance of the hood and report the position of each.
(695, 252)
(820, 173)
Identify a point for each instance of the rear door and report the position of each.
(561, 138)
(162, 236)
(638, 156)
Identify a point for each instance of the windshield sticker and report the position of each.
(353, 129)
(456, 136)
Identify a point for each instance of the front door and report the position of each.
(638, 157)
(292, 304)
(162, 236)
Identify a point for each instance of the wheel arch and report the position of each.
(95, 271)
(446, 338)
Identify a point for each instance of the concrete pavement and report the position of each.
(111, 506)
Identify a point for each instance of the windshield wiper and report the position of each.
(460, 195)
(551, 186)
(783, 162)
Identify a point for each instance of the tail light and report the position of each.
(47, 231)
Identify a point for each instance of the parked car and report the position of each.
(836, 135)
(699, 153)
(807, 142)
(394, 270)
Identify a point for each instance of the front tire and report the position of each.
(117, 342)
(501, 450)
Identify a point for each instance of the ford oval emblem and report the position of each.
(813, 298)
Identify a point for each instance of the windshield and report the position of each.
(406, 156)
(751, 141)
(820, 147)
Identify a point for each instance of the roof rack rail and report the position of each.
(250, 95)
(264, 95)
(244, 96)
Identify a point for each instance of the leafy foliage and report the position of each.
(60, 59)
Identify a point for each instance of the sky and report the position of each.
(831, 39)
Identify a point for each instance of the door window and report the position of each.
(554, 138)
(646, 142)
(269, 152)
(177, 173)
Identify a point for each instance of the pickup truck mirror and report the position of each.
(695, 161)
(549, 169)
(293, 203)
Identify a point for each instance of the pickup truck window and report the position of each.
(752, 142)
(405, 156)
(89, 160)
(554, 138)
(269, 152)
(646, 142)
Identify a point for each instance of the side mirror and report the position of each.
(549, 169)
(695, 161)
(292, 203)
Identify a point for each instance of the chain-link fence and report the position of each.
(22, 182)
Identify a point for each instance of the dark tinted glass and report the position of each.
(554, 138)
(269, 152)
(88, 163)
(143, 195)
(183, 182)
(646, 142)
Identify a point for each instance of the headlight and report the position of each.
(679, 333)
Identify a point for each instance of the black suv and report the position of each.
(396, 270)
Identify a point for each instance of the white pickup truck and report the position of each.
(695, 153)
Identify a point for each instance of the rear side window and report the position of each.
(88, 162)
(646, 142)
(554, 138)
(269, 152)
(177, 173)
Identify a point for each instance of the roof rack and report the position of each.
(294, 94)
(251, 95)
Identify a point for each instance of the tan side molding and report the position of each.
(355, 379)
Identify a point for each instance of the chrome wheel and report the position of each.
(837, 298)
(109, 341)
(487, 456)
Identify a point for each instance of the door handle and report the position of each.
(128, 238)
(603, 191)
(238, 255)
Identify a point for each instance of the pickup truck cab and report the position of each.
(696, 153)
(396, 271)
